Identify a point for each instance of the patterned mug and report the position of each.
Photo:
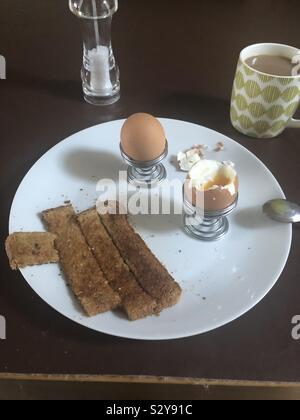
(263, 105)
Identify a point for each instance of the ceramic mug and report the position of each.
(263, 105)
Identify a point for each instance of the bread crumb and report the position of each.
(219, 147)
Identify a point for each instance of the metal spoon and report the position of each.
(282, 211)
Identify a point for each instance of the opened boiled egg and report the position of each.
(212, 185)
(143, 137)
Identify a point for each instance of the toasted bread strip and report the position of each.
(135, 301)
(150, 273)
(79, 264)
(28, 249)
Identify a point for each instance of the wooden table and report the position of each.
(177, 60)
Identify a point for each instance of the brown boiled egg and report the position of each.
(143, 138)
(212, 185)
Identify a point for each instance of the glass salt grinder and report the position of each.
(100, 73)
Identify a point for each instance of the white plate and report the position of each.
(221, 281)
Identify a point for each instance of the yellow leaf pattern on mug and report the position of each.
(252, 89)
(257, 110)
(233, 96)
(286, 82)
(291, 109)
(241, 102)
(264, 78)
(234, 114)
(245, 121)
(239, 81)
(290, 94)
(278, 126)
(275, 112)
(271, 94)
(261, 126)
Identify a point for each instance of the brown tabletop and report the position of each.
(177, 60)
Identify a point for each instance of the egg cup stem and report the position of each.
(146, 174)
(211, 227)
(144, 177)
